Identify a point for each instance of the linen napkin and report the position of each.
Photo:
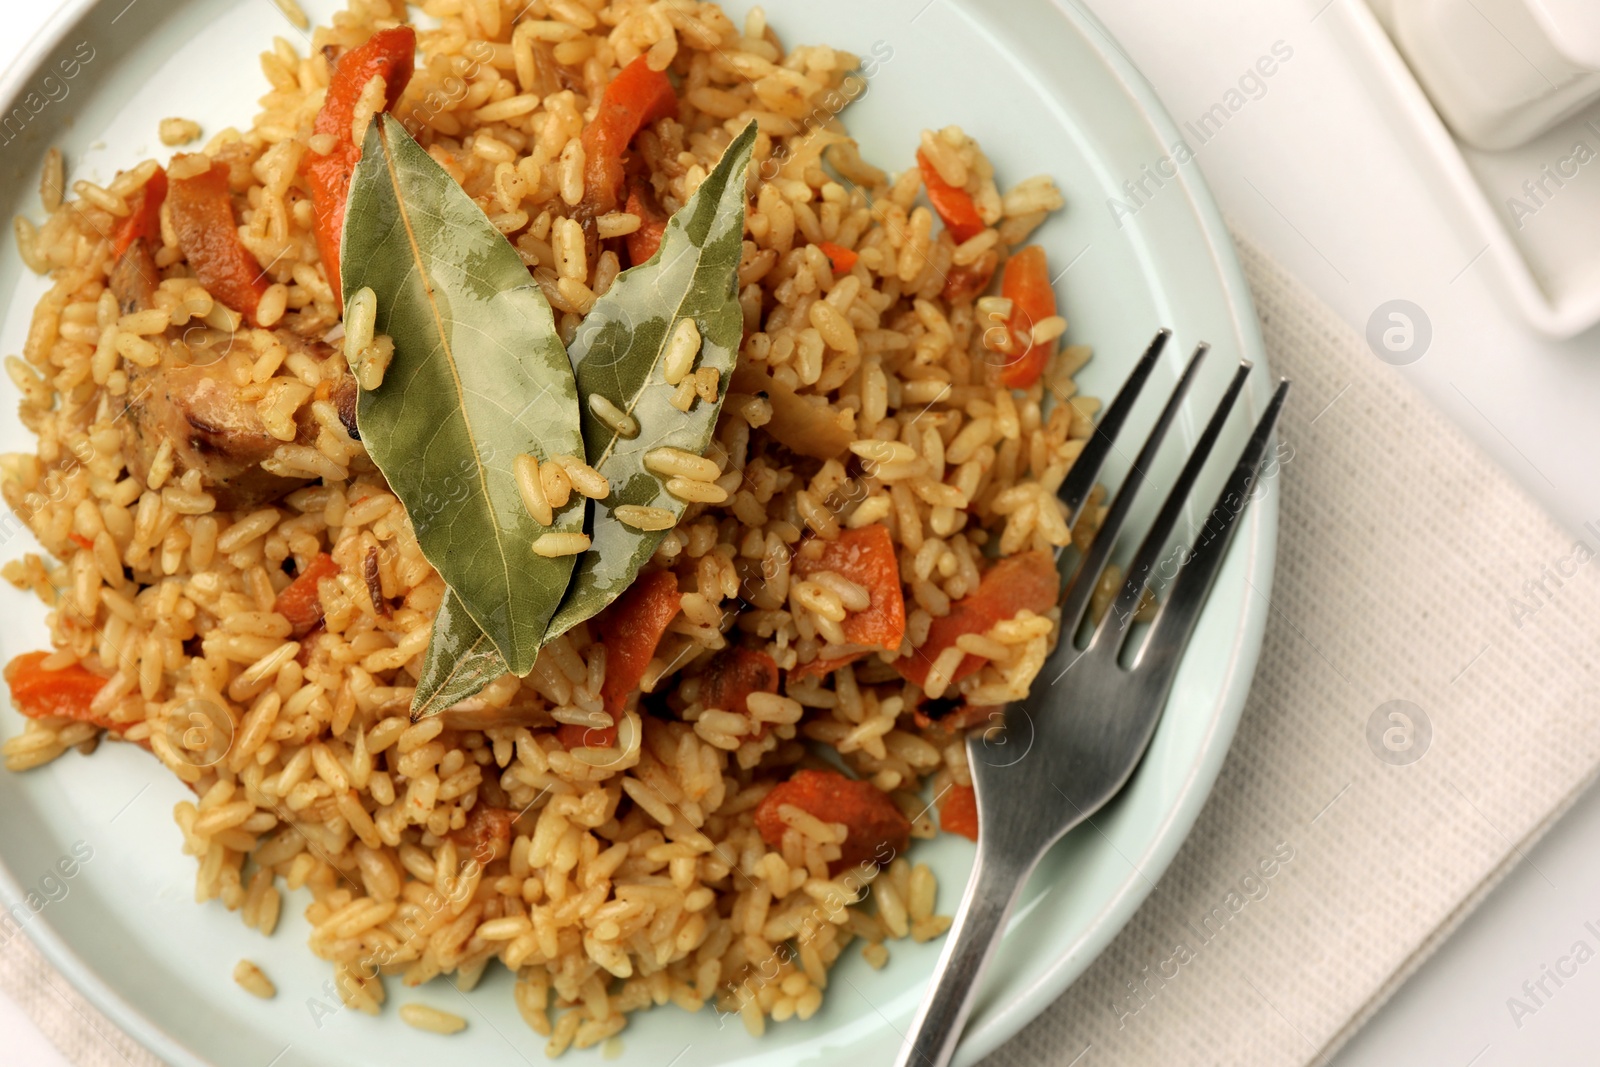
(1414, 579)
(1422, 711)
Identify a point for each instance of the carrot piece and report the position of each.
(636, 97)
(1026, 283)
(69, 692)
(875, 829)
(1027, 580)
(969, 281)
(573, 736)
(387, 54)
(80, 540)
(301, 602)
(208, 233)
(842, 258)
(822, 667)
(955, 206)
(631, 628)
(643, 242)
(144, 214)
(960, 812)
(866, 557)
(732, 675)
(954, 715)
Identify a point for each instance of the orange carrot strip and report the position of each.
(968, 282)
(631, 628)
(866, 557)
(643, 242)
(1026, 580)
(389, 54)
(960, 812)
(636, 97)
(144, 215)
(572, 736)
(301, 602)
(208, 233)
(822, 667)
(69, 692)
(875, 829)
(955, 206)
(1026, 283)
(841, 257)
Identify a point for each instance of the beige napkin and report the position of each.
(1403, 559)
(1403, 562)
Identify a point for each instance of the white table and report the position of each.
(1317, 173)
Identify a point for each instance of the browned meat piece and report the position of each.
(134, 279)
(199, 409)
(345, 395)
(487, 835)
(801, 423)
(213, 431)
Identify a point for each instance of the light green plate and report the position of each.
(1045, 90)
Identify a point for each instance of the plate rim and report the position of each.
(1003, 1023)
(1034, 996)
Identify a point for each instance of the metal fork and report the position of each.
(1094, 717)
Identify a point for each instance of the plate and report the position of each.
(1045, 89)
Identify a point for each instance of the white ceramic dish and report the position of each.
(1045, 89)
(1531, 208)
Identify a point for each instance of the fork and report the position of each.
(1092, 723)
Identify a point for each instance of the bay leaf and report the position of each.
(478, 376)
(460, 660)
(618, 354)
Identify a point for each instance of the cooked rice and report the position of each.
(682, 349)
(433, 1020)
(526, 468)
(254, 981)
(551, 545)
(634, 875)
(176, 131)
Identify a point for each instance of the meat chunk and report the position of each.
(487, 835)
(345, 394)
(134, 278)
(191, 399)
(800, 422)
(875, 829)
(212, 429)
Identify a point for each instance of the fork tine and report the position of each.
(1086, 468)
(1145, 559)
(1099, 554)
(1175, 621)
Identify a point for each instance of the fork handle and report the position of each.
(992, 892)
